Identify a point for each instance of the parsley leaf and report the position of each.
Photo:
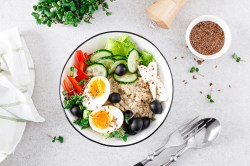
(82, 82)
(127, 119)
(83, 122)
(120, 133)
(195, 69)
(209, 97)
(153, 119)
(236, 57)
(59, 139)
(72, 71)
(75, 99)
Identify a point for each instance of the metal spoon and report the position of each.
(210, 129)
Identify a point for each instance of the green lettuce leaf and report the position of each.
(120, 46)
(146, 58)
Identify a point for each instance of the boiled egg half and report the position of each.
(96, 92)
(106, 119)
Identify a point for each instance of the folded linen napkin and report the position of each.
(16, 105)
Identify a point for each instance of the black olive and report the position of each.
(146, 122)
(129, 131)
(136, 124)
(114, 97)
(156, 107)
(128, 113)
(76, 111)
(120, 70)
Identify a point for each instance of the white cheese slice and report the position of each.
(149, 75)
(144, 72)
(162, 94)
(152, 68)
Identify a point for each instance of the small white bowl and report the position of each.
(224, 27)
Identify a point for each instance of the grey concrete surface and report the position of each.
(50, 47)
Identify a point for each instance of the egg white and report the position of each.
(93, 103)
(113, 112)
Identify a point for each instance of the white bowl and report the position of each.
(98, 42)
(224, 27)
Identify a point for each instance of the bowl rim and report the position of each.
(106, 32)
(221, 23)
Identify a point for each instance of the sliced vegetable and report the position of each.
(106, 61)
(99, 54)
(133, 61)
(122, 46)
(81, 57)
(77, 88)
(80, 74)
(115, 64)
(146, 58)
(127, 78)
(119, 57)
(96, 69)
(67, 88)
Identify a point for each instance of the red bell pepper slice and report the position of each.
(77, 87)
(80, 74)
(67, 88)
(81, 57)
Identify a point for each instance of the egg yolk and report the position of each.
(97, 88)
(101, 119)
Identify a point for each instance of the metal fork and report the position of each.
(177, 138)
(190, 142)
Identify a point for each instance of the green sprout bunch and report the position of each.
(67, 12)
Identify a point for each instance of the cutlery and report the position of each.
(205, 133)
(177, 138)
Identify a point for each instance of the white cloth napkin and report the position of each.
(16, 105)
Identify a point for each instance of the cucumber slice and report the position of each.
(133, 61)
(96, 69)
(127, 78)
(119, 57)
(115, 64)
(106, 61)
(99, 54)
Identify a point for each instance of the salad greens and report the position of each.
(67, 12)
(121, 46)
(146, 58)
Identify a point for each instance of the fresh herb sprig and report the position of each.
(67, 12)
(195, 70)
(72, 71)
(83, 122)
(82, 82)
(127, 118)
(210, 99)
(152, 119)
(120, 133)
(59, 139)
(236, 57)
(75, 99)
